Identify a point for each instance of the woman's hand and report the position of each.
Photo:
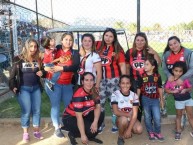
(183, 91)
(150, 50)
(57, 68)
(171, 78)
(128, 134)
(39, 73)
(15, 90)
(94, 127)
(84, 139)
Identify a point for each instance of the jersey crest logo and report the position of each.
(145, 79)
(155, 79)
(105, 60)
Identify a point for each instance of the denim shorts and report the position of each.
(183, 104)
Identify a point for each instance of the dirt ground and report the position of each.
(11, 134)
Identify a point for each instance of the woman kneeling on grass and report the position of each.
(83, 116)
(125, 105)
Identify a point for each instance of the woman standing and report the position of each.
(83, 117)
(113, 66)
(63, 91)
(135, 59)
(25, 83)
(90, 61)
(174, 52)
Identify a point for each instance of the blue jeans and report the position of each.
(61, 93)
(55, 76)
(29, 100)
(152, 114)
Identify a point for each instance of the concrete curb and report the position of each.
(46, 121)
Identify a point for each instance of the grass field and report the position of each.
(11, 109)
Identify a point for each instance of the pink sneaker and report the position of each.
(38, 135)
(159, 137)
(25, 137)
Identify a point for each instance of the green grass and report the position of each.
(10, 108)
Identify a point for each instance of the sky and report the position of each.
(165, 12)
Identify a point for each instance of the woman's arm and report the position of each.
(97, 112)
(98, 67)
(72, 68)
(160, 91)
(132, 122)
(156, 55)
(122, 66)
(189, 73)
(127, 69)
(164, 67)
(80, 124)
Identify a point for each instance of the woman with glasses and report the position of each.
(63, 88)
(113, 66)
(135, 58)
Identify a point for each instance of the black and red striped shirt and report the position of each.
(149, 84)
(136, 63)
(82, 101)
(110, 64)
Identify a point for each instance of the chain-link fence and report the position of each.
(158, 19)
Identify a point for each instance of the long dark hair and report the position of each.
(169, 39)
(116, 43)
(94, 93)
(181, 65)
(93, 49)
(153, 62)
(45, 42)
(144, 51)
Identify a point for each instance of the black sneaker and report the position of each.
(178, 136)
(120, 141)
(72, 139)
(96, 140)
(50, 86)
(59, 133)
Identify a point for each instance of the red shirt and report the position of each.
(136, 63)
(49, 55)
(83, 102)
(172, 58)
(110, 63)
(65, 77)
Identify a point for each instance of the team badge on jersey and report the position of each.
(138, 65)
(145, 79)
(105, 60)
(155, 79)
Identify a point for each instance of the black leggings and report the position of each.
(70, 124)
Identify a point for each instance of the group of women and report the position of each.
(99, 65)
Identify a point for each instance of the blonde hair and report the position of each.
(25, 55)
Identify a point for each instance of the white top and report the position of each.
(87, 64)
(125, 103)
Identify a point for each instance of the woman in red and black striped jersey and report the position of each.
(83, 116)
(113, 66)
(135, 58)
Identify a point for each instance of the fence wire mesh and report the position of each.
(21, 19)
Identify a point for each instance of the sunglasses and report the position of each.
(68, 32)
(111, 30)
